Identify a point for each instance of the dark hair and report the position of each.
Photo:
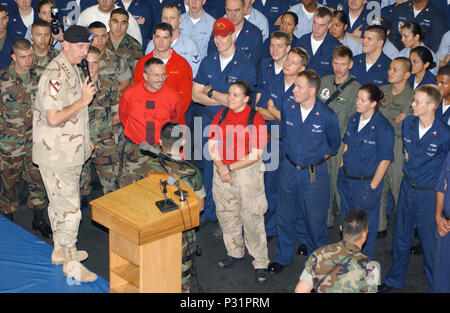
(444, 71)
(21, 44)
(406, 63)
(40, 23)
(97, 24)
(245, 87)
(415, 29)
(171, 132)
(341, 16)
(44, 2)
(120, 11)
(294, 16)
(172, 6)
(380, 30)
(152, 61)
(342, 51)
(164, 27)
(375, 94)
(323, 11)
(94, 50)
(425, 55)
(312, 78)
(280, 35)
(354, 223)
(3, 9)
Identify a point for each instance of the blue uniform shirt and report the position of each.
(360, 21)
(321, 61)
(16, 25)
(158, 6)
(141, 8)
(304, 22)
(424, 157)
(445, 117)
(428, 78)
(199, 32)
(258, 19)
(249, 42)
(239, 68)
(215, 8)
(266, 74)
(5, 53)
(308, 142)
(431, 20)
(273, 9)
(367, 148)
(443, 184)
(377, 74)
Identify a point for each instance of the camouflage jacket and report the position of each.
(113, 70)
(342, 268)
(186, 173)
(18, 94)
(129, 48)
(46, 59)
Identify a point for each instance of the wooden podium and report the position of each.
(145, 244)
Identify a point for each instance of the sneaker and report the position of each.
(261, 275)
(228, 262)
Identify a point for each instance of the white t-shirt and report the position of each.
(352, 20)
(416, 12)
(423, 131)
(224, 62)
(28, 20)
(286, 87)
(445, 108)
(368, 66)
(278, 69)
(363, 123)
(305, 113)
(308, 15)
(126, 4)
(195, 21)
(315, 44)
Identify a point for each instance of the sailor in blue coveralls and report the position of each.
(319, 43)
(278, 90)
(441, 271)
(16, 24)
(368, 151)
(272, 9)
(210, 89)
(426, 143)
(310, 133)
(443, 82)
(373, 56)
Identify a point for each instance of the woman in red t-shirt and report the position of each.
(238, 181)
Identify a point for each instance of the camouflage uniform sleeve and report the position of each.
(306, 275)
(197, 184)
(123, 71)
(53, 90)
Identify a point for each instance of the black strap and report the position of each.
(250, 119)
(339, 89)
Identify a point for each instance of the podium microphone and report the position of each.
(85, 68)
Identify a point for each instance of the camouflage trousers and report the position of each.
(241, 206)
(133, 160)
(189, 245)
(392, 182)
(105, 159)
(63, 190)
(11, 169)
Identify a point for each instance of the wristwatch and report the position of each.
(209, 94)
(229, 168)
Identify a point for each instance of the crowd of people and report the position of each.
(295, 112)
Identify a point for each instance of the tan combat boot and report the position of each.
(58, 254)
(73, 268)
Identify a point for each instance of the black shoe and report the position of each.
(416, 250)
(228, 262)
(40, 224)
(383, 288)
(302, 250)
(261, 275)
(84, 204)
(275, 268)
(382, 234)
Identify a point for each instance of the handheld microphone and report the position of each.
(85, 69)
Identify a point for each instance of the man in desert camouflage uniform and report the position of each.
(341, 267)
(18, 86)
(111, 76)
(61, 145)
(122, 43)
(171, 135)
(43, 52)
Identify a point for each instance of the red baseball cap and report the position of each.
(222, 27)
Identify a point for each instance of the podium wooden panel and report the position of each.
(145, 244)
